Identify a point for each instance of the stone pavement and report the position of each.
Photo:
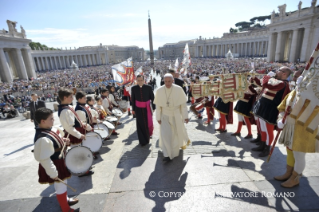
(132, 178)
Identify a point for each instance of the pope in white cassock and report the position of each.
(171, 113)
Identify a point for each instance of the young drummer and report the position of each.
(107, 105)
(71, 121)
(47, 148)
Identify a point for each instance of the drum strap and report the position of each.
(88, 114)
(55, 137)
(75, 114)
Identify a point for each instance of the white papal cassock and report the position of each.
(173, 135)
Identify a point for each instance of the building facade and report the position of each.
(289, 37)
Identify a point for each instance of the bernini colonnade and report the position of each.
(290, 36)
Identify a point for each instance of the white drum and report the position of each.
(93, 141)
(79, 160)
(102, 130)
(123, 105)
(117, 112)
(111, 119)
(109, 125)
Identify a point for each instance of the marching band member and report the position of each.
(47, 148)
(99, 106)
(93, 110)
(107, 105)
(198, 107)
(209, 105)
(225, 111)
(127, 97)
(275, 88)
(83, 110)
(243, 108)
(71, 122)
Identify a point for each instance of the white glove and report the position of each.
(271, 74)
(280, 124)
(299, 79)
(252, 71)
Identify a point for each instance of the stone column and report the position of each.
(293, 48)
(5, 73)
(29, 63)
(278, 47)
(257, 48)
(305, 45)
(21, 65)
(89, 57)
(51, 63)
(60, 64)
(84, 60)
(39, 63)
(47, 63)
(81, 61)
(270, 49)
(43, 64)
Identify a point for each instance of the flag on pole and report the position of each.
(187, 58)
(123, 72)
(176, 65)
(139, 71)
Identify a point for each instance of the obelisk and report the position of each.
(151, 41)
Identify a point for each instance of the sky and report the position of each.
(76, 23)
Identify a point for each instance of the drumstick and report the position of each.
(61, 154)
(61, 181)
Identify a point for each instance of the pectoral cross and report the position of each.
(167, 104)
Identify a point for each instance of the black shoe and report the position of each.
(235, 134)
(129, 113)
(134, 116)
(265, 152)
(87, 174)
(258, 143)
(166, 159)
(199, 117)
(188, 102)
(260, 148)
(77, 210)
(257, 139)
(248, 136)
(32, 150)
(94, 157)
(223, 131)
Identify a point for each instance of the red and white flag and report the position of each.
(123, 72)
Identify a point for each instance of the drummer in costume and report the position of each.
(127, 96)
(225, 112)
(94, 112)
(47, 148)
(259, 91)
(243, 108)
(100, 108)
(198, 107)
(108, 106)
(275, 88)
(71, 122)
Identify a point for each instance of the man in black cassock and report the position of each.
(142, 98)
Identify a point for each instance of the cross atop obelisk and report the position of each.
(150, 40)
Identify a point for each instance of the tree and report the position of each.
(243, 25)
